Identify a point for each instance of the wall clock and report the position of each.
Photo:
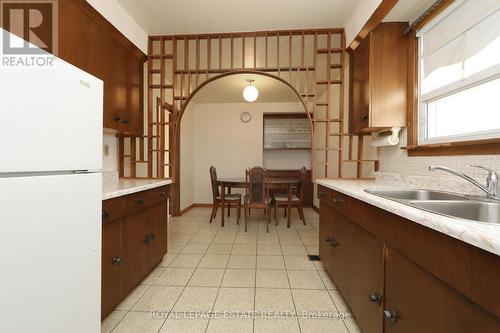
(245, 117)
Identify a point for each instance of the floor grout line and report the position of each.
(184, 288)
(284, 240)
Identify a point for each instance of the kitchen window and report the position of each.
(459, 74)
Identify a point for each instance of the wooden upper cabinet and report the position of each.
(88, 41)
(378, 85)
(135, 93)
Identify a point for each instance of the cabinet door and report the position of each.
(388, 75)
(111, 266)
(158, 227)
(367, 264)
(341, 243)
(134, 267)
(135, 91)
(79, 36)
(422, 303)
(117, 82)
(325, 235)
(360, 87)
(125, 87)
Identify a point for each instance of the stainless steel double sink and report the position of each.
(446, 203)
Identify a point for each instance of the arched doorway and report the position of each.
(214, 118)
(311, 60)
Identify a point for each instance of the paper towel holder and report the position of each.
(386, 137)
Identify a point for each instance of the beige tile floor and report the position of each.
(216, 279)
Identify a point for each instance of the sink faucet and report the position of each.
(491, 187)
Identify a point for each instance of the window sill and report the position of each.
(478, 147)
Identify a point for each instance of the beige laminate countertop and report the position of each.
(119, 187)
(484, 236)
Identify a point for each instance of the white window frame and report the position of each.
(479, 78)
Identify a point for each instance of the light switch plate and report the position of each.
(106, 150)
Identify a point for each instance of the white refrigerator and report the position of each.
(50, 198)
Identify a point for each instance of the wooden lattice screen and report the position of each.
(310, 61)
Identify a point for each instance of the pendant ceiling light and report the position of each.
(250, 93)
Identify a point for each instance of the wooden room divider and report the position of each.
(311, 62)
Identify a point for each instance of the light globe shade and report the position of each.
(250, 94)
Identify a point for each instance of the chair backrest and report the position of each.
(300, 186)
(213, 181)
(257, 188)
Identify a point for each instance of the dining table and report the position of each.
(240, 182)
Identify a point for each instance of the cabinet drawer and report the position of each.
(138, 201)
(336, 200)
(324, 194)
(159, 194)
(340, 202)
(113, 209)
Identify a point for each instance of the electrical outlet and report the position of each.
(106, 150)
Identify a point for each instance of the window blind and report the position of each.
(460, 48)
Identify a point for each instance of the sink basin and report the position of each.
(479, 211)
(416, 195)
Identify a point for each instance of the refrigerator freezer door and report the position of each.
(50, 118)
(50, 254)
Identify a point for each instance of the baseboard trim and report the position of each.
(187, 209)
(196, 205)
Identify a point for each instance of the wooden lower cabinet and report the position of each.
(423, 303)
(111, 284)
(376, 262)
(133, 244)
(325, 232)
(341, 245)
(367, 279)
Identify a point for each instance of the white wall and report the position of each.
(110, 162)
(212, 134)
(360, 16)
(119, 17)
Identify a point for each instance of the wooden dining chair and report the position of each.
(257, 193)
(295, 197)
(230, 199)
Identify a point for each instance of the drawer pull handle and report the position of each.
(391, 315)
(337, 200)
(321, 194)
(376, 298)
(125, 121)
(149, 238)
(140, 201)
(333, 243)
(106, 215)
(116, 261)
(363, 117)
(162, 194)
(117, 117)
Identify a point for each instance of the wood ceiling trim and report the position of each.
(378, 15)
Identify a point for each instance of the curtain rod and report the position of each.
(423, 17)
